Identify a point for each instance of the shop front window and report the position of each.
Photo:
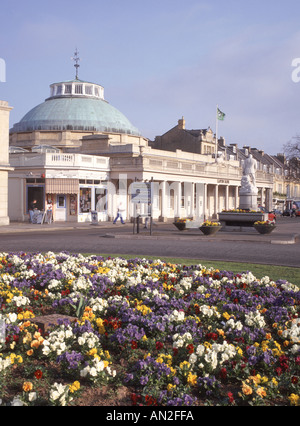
(100, 199)
(85, 200)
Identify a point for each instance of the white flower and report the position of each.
(93, 372)
(200, 350)
(254, 319)
(193, 359)
(12, 317)
(32, 396)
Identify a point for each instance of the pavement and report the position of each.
(287, 231)
(281, 247)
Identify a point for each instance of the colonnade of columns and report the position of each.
(197, 200)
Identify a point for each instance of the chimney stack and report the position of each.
(181, 124)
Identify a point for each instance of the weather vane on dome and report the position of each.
(76, 59)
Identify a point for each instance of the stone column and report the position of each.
(178, 200)
(164, 201)
(4, 161)
(216, 206)
(236, 197)
(226, 197)
(205, 202)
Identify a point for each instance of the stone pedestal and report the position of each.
(248, 201)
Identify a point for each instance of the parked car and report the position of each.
(271, 214)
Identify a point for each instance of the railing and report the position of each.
(59, 160)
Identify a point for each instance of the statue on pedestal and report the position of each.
(249, 191)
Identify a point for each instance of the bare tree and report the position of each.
(292, 152)
(292, 148)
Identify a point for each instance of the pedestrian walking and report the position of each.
(120, 213)
(293, 212)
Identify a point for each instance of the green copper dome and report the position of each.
(76, 105)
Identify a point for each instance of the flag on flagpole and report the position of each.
(220, 115)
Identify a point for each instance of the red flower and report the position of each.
(150, 400)
(135, 398)
(190, 348)
(294, 380)
(134, 345)
(223, 374)
(175, 351)
(38, 374)
(159, 345)
(230, 397)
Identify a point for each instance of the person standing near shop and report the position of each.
(49, 211)
(32, 208)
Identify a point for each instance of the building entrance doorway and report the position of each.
(35, 192)
(61, 208)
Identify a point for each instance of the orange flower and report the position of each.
(247, 390)
(27, 386)
(261, 392)
(268, 336)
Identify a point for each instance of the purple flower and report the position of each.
(144, 380)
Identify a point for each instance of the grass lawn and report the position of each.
(259, 270)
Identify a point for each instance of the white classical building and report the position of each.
(83, 154)
(4, 161)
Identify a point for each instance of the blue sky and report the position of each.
(164, 59)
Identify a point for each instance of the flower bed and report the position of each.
(167, 334)
(264, 226)
(181, 223)
(210, 227)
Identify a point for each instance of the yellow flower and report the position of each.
(173, 371)
(226, 316)
(27, 386)
(92, 352)
(170, 387)
(74, 387)
(100, 326)
(256, 379)
(274, 382)
(239, 351)
(192, 379)
(294, 399)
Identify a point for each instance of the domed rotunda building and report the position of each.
(74, 109)
(57, 150)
